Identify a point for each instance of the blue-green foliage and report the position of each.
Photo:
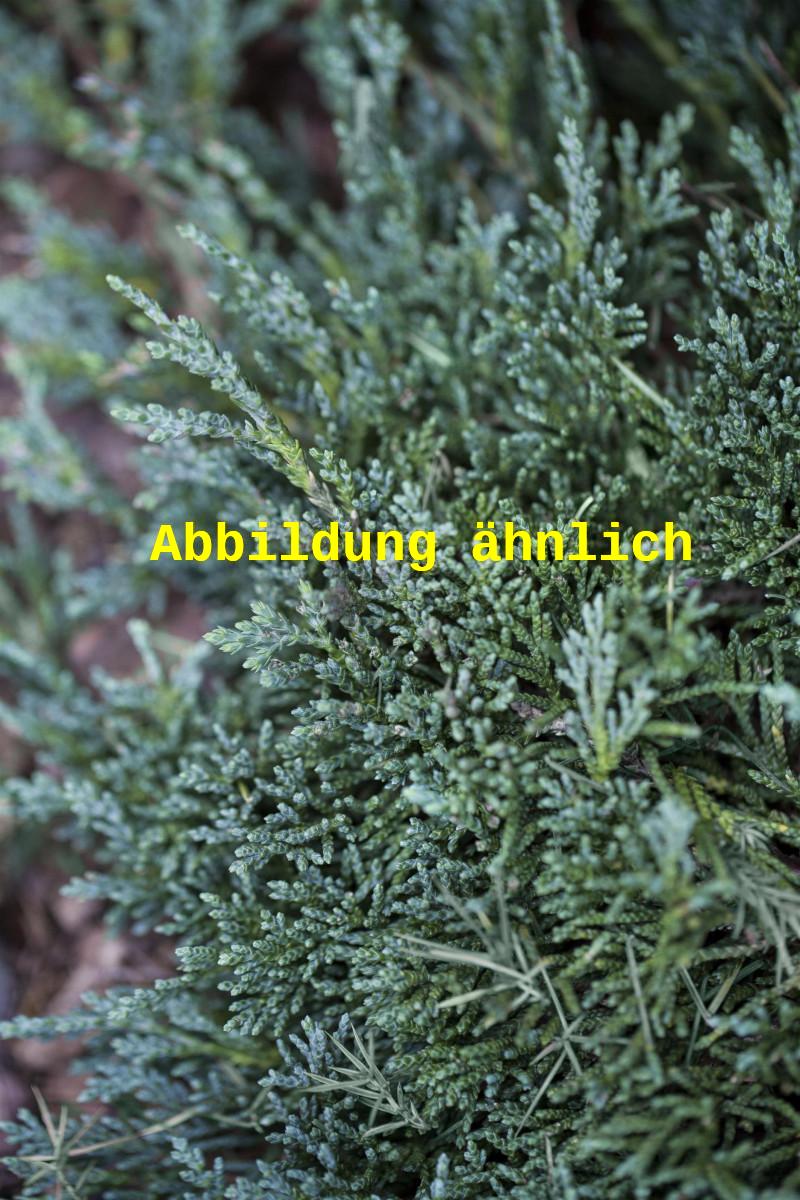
(483, 880)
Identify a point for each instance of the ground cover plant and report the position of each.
(483, 880)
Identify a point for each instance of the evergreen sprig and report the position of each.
(530, 826)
